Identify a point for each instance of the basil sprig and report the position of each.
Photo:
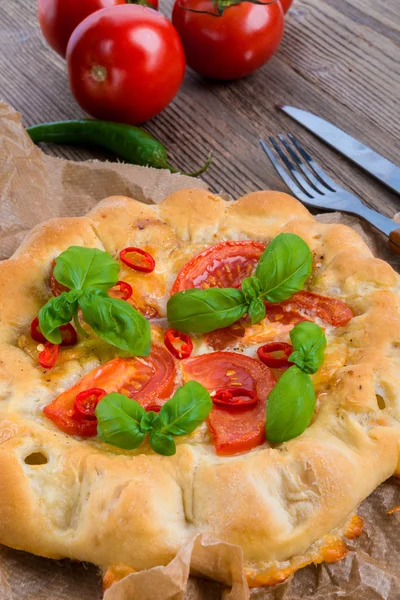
(122, 422)
(284, 267)
(89, 273)
(57, 312)
(205, 310)
(291, 402)
(282, 270)
(290, 406)
(251, 288)
(309, 343)
(85, 268)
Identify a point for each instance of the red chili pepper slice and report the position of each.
(235, 398)
(124, 291)
(48, 357)
(265, 354)
(121, 290)
(179, 344)
(86, 402)
(36, 334)
(144, 263)
(68, 335)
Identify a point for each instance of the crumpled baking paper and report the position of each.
(35, 187)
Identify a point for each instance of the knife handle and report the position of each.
(394, 240)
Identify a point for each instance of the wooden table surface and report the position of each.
(339, 59)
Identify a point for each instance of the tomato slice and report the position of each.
(148, 380)
(232, 431)
(219, 339)
(281, 313)
(223, 265)
(302, 306)
(331, 311)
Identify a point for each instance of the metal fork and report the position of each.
(312, 186)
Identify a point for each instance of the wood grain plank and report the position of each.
(358, 67)
(381, 16)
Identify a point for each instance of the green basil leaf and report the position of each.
(117, 322)
(56, 312)
(122, 422)
(309, 343)
(202, 311)
(257, 310)
(284, 267)
(251, 288)
(162, 444)
(150, 421)
(190, 406)
(83, 268)
(119, 420)
(290, 406)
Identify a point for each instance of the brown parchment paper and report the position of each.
(35, 187)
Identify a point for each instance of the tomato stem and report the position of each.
(221, 5)
(99, 73)
(141, 3)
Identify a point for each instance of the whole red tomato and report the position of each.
(125, 63)
(232, 45)
(286, 4)
(58, 18)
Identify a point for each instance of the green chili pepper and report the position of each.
(129, 143)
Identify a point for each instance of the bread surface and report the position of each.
(284, 505)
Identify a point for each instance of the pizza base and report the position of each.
(62, 496)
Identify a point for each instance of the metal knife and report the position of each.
(372, 162)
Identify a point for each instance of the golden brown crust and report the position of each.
(285, 506)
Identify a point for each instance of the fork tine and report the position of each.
(293, 171)
(293, 187)
(322, 176)
(310, 177)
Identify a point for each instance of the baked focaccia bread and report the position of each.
(228, 368)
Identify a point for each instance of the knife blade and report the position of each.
(369, 160)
